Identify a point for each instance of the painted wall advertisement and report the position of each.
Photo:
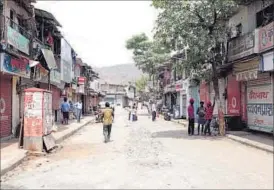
(17, 40)
(266, 37)
(260, 108)
(14, 66)
(33, 119)
(66, 62)
(233, 96)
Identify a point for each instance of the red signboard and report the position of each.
(266, 37)
(233, 96)
(81, 80)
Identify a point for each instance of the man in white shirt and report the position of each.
(78, 107)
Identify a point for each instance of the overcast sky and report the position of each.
(97, 30)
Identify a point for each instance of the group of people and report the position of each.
(67, 107)
(205, 115)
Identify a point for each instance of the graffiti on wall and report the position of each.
(33, 114)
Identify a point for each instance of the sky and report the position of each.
(98, 30)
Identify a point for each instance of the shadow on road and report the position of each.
(182, 134)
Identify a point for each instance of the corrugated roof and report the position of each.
(46, 15)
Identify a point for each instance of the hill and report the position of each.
(119, 74)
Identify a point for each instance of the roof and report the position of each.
(47, 15)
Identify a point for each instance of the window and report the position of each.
(239, 29)
(12, 16)
(265, 16)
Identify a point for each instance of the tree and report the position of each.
(141, 84)
(146, 53)
(202, 26)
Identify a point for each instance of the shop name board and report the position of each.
(19, 67)
(81, 80)
(260, 108)
(258, 95)
(241, 47)
(17, 40)
(266, 37)
(247, 75)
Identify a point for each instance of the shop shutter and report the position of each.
(5, 105)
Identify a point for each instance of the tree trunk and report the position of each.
(218, 101)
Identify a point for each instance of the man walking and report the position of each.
(65, 107)
(78, 107)
(108, 116)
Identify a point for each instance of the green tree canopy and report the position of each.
(146, 53)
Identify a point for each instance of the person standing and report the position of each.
(153, 109)
(191, 117)
(107, 116)
(201, 117)
(65, 107)
(78, 107)
(208, 116)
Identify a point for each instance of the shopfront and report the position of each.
(5, 105)
(13, 68)
(260, 103)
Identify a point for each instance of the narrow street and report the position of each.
(145, 155)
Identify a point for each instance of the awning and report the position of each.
(49, 57)
(33, 63)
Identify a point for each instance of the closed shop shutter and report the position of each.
(5, 105)
(260, 104)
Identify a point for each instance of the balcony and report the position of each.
(15, 37)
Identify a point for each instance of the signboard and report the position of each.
(267, 62)
(55, 76)
(80, 89)
(260, 108)
(81, 80)
(247, 75)
(66, 62)
(19, 67)
(233, 96)
(266, 37)
(17, 40)
(241, 47)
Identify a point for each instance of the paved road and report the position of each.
(145, 155)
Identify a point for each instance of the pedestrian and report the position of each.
(201, 117)
(65, 107)
(134, 112)
(208, 117)
(108, 117)
(78, 107)
(153, 109)
(191, 117)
